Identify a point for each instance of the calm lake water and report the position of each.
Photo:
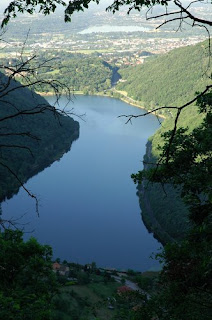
(89, 210)
(109, 28)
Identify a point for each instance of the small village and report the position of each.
(115, 286)
(70, 274)
(124, 51)
(121, 48)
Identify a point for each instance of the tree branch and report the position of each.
(190, 15)
(22, 185)
(130, 117)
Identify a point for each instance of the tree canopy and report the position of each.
(27, 282)
(181, 11)
(184, 160)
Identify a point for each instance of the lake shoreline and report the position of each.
(124, 98)
(102, 159)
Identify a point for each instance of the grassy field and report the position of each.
(90, 301)
(88, 51)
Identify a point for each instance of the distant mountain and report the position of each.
(50, 135)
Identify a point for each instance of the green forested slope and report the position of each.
(169, 79)
(78, 72)
(51, 134)
(165, 201)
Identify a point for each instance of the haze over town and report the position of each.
(121, 38)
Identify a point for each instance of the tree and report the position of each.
(181, 12)
(174, 10)
(27, 281)
(185, 161)
(186, 290)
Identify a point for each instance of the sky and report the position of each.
(3, 4)
(103, 3)
(101, 7)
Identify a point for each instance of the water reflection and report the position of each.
(89, 210)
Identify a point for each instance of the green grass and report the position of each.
(89, 301)
(89, 51)
(56, 71)
(84, 292)
(104, 290)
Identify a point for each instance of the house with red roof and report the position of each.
(124, 289)
(62, 269)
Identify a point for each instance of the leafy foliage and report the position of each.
(29, 6)
(185, 278)
(189, 164)
(27, 282)
(78, 72)
(85, 300)
(185, 161)
(182, 12)
(168, 80)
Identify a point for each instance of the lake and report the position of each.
(109, 28)
(88, 206)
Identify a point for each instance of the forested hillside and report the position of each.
(179, 155)
(169, 210)
(33, 135)
(173, 78)
(78, 72)
(169, 79)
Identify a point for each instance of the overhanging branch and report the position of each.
(190, 15)
(22, 185)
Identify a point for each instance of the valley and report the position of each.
(120, 194)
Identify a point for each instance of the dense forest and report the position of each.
(164, 200)
(179, 154)
(169, 79)
(79, 72)
(155, 84)
(163, 211)
(170, 220)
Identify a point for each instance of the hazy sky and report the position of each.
(103, 4)
(3, 4)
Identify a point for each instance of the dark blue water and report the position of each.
(88, 206)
